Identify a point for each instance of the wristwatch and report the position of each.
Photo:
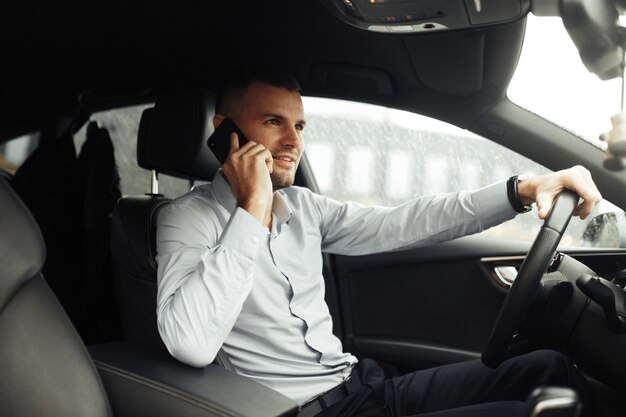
(513, 194)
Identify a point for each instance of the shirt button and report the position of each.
(255, 239)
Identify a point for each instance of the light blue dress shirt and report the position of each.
(227, 281)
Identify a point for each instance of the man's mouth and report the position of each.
(286, 158)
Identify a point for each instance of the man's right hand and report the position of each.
(247, 170)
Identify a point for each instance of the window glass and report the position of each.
(123, 125)
(15, 151)
(552, 81)
(381, 156)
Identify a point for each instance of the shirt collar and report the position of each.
(225, 197)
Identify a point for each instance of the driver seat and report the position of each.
(171, 140)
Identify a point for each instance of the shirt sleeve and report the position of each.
(204, 277)
(355, 229)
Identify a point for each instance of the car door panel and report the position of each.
(431, 305)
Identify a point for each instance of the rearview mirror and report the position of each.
(593, 27)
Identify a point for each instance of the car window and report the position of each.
(551, 81)
(15, 151)
(383, 156)
(123, 125)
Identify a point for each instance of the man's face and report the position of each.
(274, 117)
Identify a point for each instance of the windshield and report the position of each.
(552, 82)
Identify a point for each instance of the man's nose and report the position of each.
(292, 138)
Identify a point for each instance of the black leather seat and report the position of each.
(45, 367)
(46, 370)
(172, 140)
(133, 249)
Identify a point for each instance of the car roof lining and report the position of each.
(62, 49)
(69, 49)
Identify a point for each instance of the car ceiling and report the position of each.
(119, 52)
(56, 50)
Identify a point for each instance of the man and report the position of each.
(240, 267)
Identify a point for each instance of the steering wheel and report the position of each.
(524, 288)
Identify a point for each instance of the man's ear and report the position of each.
(217, 120)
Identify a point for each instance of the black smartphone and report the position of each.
(219, 141)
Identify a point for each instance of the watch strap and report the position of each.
(513, 194)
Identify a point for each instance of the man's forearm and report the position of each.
(195, 318)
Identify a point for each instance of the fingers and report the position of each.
(248, 173)
(253, 150)
(234, 142)
(577, 179)
(234, 145)
(584, 209)
(259, 151)
(544, 204)
(581, 182)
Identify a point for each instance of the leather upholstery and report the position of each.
(143, 131)
(172, 137)
(45, 367)
(145, 382)
(22, 248)
(134, 250)
(46, 370)
(133, 239)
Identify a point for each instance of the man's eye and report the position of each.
(299, 127)
(272, 121)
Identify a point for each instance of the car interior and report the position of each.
(78, 280)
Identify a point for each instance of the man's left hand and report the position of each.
(544, 189)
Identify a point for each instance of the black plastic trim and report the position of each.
(410, 353)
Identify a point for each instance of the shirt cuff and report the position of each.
(493, 204)
(244, 233)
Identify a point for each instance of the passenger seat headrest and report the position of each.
(172, 135)
(22, 249)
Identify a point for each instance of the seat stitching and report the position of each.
(162, 387)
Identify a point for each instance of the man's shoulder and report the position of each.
(300, 196)
(298, 191)
(305, 203)
(200, 198)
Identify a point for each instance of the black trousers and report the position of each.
(461, 389)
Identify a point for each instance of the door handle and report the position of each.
(506, 274)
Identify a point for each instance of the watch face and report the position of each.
(521, 178)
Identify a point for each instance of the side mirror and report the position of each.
(606, 230)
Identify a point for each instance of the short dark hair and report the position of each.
(236, 83)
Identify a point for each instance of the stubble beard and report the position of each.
(281, 180)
